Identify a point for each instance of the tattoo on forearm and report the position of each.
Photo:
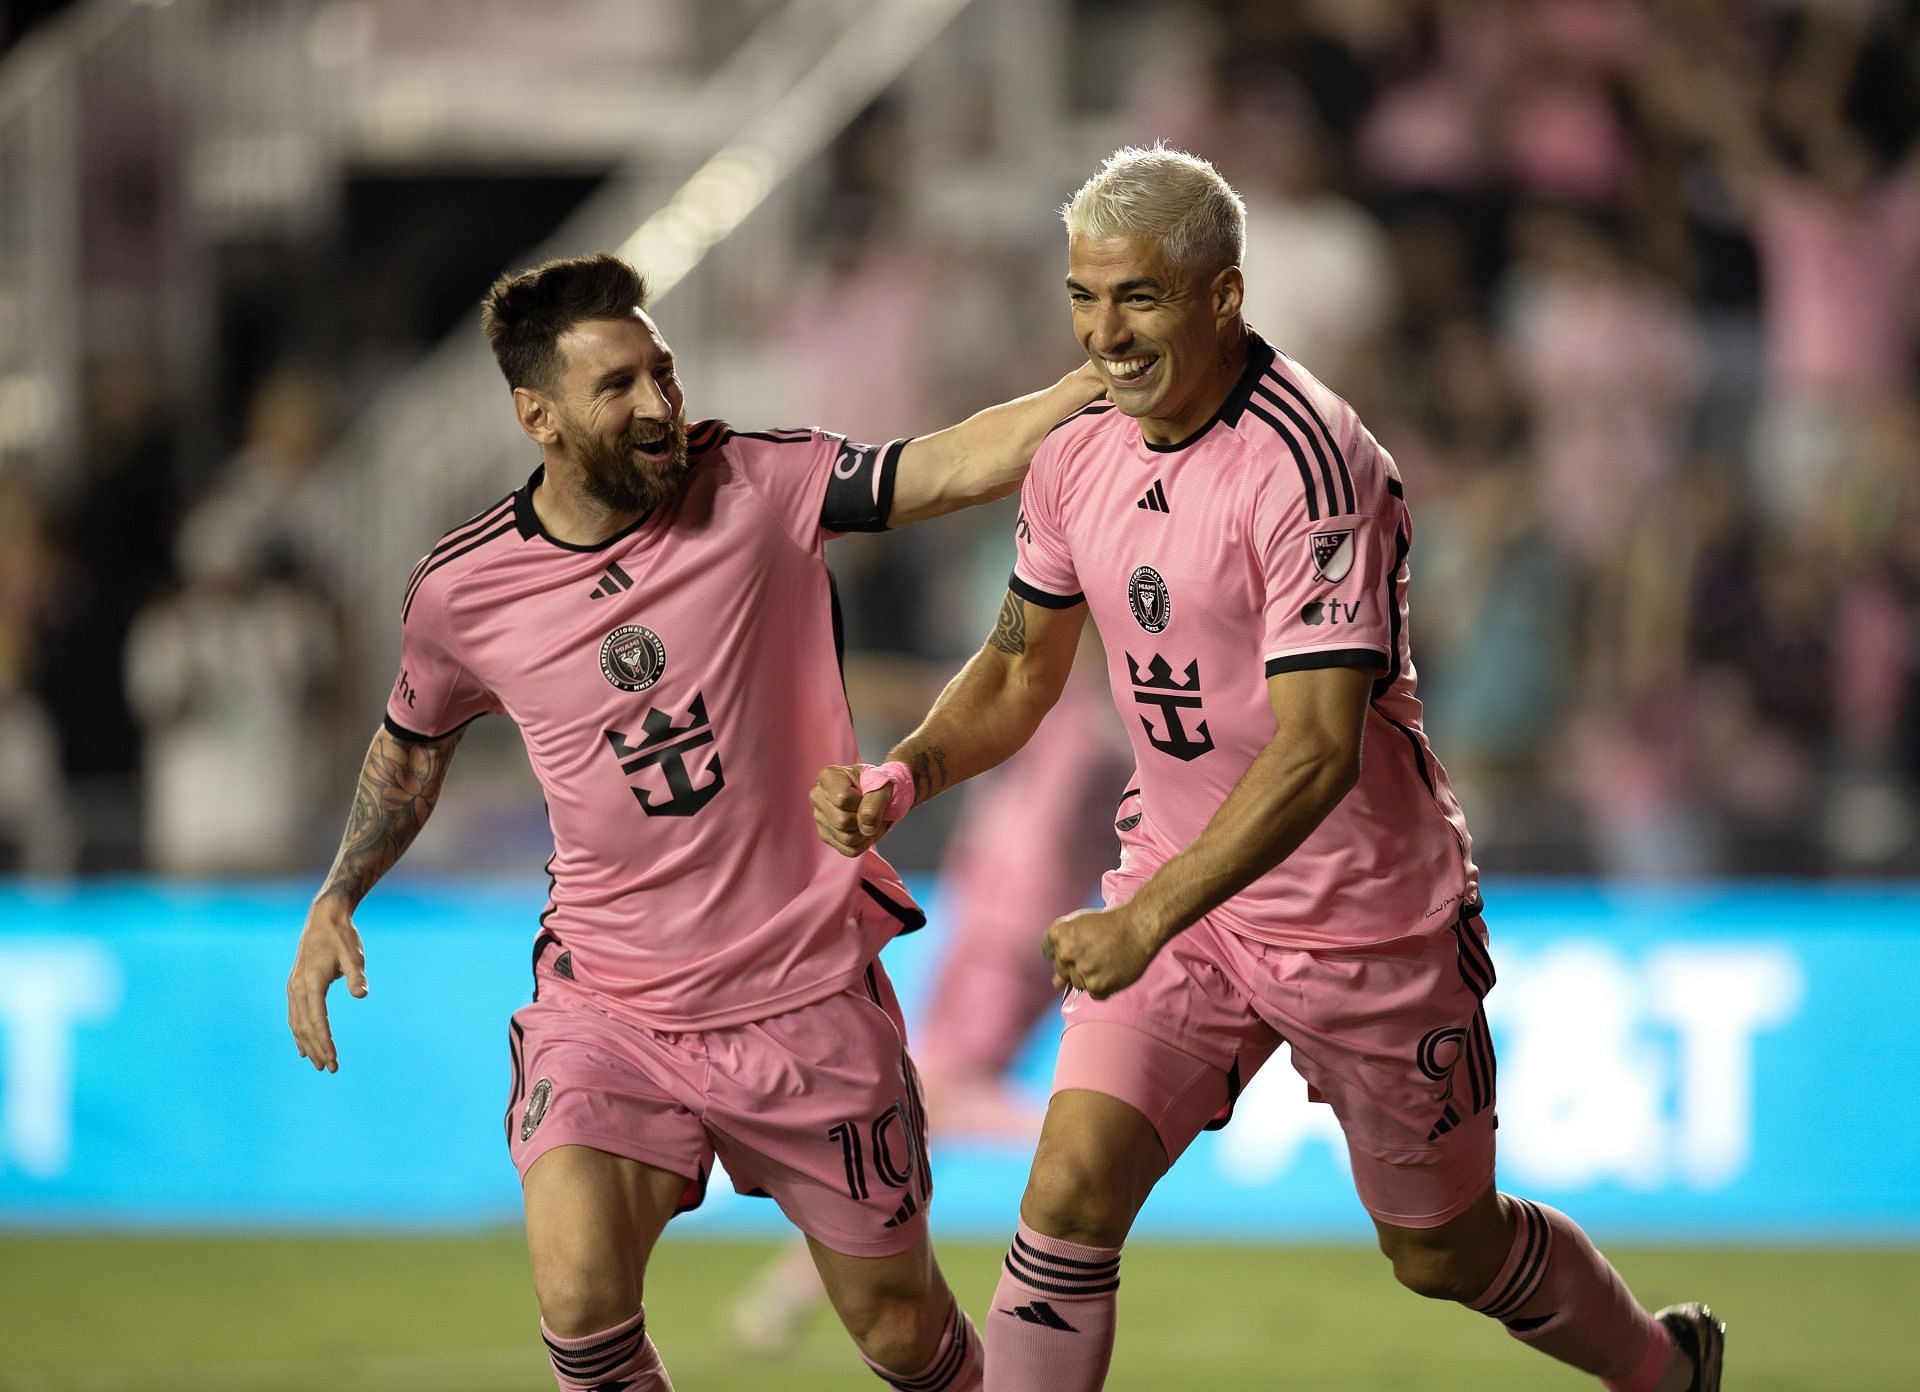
(399, 785)
(929, 768)
(1010, 630)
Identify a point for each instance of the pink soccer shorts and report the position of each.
(818, 1108)
(1392, 1036)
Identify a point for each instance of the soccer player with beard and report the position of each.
(653, 609)
(1240, 540)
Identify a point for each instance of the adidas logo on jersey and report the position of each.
(613, 582)
(1041, 1313)
(1155, 498)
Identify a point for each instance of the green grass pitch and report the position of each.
(207, 1314)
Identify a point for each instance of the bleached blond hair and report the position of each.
(1164, 195)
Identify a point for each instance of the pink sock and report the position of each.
(1051, 1326)
(1557, 1293)
(957, 1365)
(622, 1357)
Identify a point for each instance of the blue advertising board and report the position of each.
(1724, 1062)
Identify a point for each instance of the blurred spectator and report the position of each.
(36, 824)
(274, 505)
(1318, 269)
(226, 677)
(112, 532)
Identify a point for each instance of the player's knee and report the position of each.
(579, 1301)
(1070, 1198)
(1438, 1273)
(898, 1332)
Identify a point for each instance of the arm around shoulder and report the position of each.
(986, 455)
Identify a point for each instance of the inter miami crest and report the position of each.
(1148, 598)
(1332, 555)
(536, 1112)
(632, 658)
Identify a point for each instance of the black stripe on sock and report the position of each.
(1066, 1292)
(1056, 1282)
(1039, 1256)
(599, 1358)
(1533, 1264)
(946, 1367)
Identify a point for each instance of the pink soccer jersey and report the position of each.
(679, 691)
(1273, 540)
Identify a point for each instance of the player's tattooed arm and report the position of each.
(929, 767)
(399, 785)
(998, 699)
(1010, 630)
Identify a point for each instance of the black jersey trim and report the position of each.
(1046, 599)
(1419, 753)
(530, 527)
(1339, 459)
(472, 527)
(912, 920)
(1299, 459)
(1259, 359)
(1092, 408)
(1306, 433)
(434, 563)
(1327, 657)
(1397, 488)
(1385, 684)
(402, 733)
(516, 1050)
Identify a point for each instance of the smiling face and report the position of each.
(618, 413)
(1163, 337)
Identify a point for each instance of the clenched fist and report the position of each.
(849, 820)
(1100, 951)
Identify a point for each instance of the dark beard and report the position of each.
(614, 478)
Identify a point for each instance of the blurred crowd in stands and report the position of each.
(1629, 290)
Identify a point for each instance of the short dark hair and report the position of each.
(525, 313)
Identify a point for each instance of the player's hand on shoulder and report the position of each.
(1087, 379)
(329, 949)
(848, 820)
(1100, 951)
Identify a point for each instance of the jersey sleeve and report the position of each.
(434, 694)
(1043, 571)
(1331, 587)
(820, 484)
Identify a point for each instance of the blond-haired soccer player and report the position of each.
(1241, 542)
(653, 609)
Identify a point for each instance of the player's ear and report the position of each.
(1228, 289)
(536, 417)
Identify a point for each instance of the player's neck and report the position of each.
(568, 514)
(1229, 364)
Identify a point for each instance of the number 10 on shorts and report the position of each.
(892, 1143)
